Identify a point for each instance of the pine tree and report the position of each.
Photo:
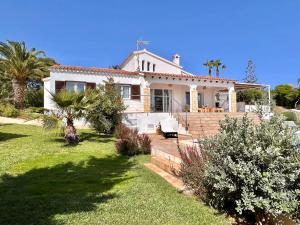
(250, 73)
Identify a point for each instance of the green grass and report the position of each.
(44, 181)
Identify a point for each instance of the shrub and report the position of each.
(34, 97)
(193, 169)
(130, 142)
(144, 143)
(250, 96)
(290, 116)
(8, 110)
(285, 95)
(121, 131)
(252, 169)
(105, 111)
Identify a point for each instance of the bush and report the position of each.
(285, 95)
(106, 106)
(290, 116)
(193, 169)
(144, 143)
(121, 131)
(250, 96)
(251, 169)
(34, 97)
(8, 110)
(130, 142)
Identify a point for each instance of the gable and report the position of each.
(149, 62)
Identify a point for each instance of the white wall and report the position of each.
(49, 85)
(144, 122)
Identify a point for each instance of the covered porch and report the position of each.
(171, 94)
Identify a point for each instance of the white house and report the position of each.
(152, 88)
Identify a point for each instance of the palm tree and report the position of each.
(70, 105)
(217, 63)
(21, 64)
(209, 64)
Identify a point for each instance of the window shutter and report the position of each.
(135, 92)
(59, 85)
(91, 85)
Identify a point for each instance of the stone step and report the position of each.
(207, 124)
(166, 165)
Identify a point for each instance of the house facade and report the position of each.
(151, 87)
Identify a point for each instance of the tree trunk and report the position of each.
(209, 71)
(217, 72)
(18, 87)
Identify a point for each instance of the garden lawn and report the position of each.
(44, 181)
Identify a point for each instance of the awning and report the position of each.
(242, 86)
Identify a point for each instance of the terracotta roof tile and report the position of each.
(125, 72)
(188, 76)
(93, 69)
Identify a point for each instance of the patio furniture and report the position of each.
(186, 108)
(218, 109)
(169, 128)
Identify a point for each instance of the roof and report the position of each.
(66, 68)
(149, 53)
(92, 70)
(187, 76)
(241, 86)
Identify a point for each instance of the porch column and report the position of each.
(147, 99)
(232, 100)
(193, 98)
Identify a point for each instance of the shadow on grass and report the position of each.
(84, 136)
(8, 136)
(93, 137)
(36, 196)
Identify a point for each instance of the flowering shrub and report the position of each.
(144, 143)
(130, 142)
(250, 169)
(193, 169)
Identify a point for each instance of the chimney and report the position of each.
(176, 59)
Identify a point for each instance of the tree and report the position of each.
(249, 96)
(218, 64)
(5, 88)
(105, 111)
(70, 105)
(21, 64)
(115, 67)
(285, 95)
(209, 64)
(250, 73)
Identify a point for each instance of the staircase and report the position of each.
(207, 124)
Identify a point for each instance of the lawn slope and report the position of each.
(44, 181)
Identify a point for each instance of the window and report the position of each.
(135, 92)
(91, 85)
(187, 98)
(143, 65)
(125, 91)
(75, 86)
(200, 100)
(154, 67)
(59, 85)
(148, 66)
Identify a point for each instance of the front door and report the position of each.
(161, 100)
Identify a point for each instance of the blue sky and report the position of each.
(102, 33)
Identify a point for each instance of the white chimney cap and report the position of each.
(176, 59)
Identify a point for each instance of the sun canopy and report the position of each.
(242, 86)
